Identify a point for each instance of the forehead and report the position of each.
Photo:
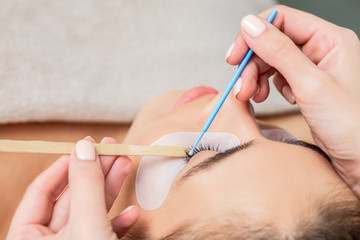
(270, 159)
(267, 173)
(269, 180)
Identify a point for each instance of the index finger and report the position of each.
(299, 26)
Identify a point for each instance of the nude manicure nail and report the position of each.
(88, 138)
(85, 150)
(127, 209)
(253, 25)
(104, 139)
(229, 51)
(288, 94)
(237, 87)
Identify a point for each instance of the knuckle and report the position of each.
(39, 188)
(318, 82)
(34, 186)
(347, 37)
(283, 47)
(350, 33)
(281, 7)
(316, 86)
(31, 187)
(87, 174)
(251, 73)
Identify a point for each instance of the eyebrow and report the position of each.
(217, 158)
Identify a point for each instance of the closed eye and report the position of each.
(294, 141)
(217, 158)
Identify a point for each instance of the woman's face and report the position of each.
(267, 179)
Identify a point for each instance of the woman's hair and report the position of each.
(330, 219)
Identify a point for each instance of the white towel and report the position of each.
(101, 60)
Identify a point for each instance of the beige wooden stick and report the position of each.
(101, 149)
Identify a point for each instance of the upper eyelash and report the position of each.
(212, 147)
(202, 147)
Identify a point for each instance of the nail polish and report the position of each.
(237, 86)
(128, 209)
(85, 150)
(253, 25)
(229, 51)
(104, 139)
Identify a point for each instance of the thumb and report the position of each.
(86, 185)
(279, 51)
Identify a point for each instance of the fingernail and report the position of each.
(229, 51)
(104, 139)
(85, 150)
(128, 209)
(253, 25)
(237, 87)
(89, 138)
(288, 94)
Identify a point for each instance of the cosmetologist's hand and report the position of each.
(47, 211)
(317, 66)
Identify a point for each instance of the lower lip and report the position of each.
(193, 94)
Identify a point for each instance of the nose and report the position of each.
(234, 116)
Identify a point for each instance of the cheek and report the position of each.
(155, 175)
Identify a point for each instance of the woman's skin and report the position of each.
(317, 66)
(268, 179)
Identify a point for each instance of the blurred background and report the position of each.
(342, 12)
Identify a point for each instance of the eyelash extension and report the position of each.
(200, 148)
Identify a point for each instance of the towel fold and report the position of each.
(100, 61)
